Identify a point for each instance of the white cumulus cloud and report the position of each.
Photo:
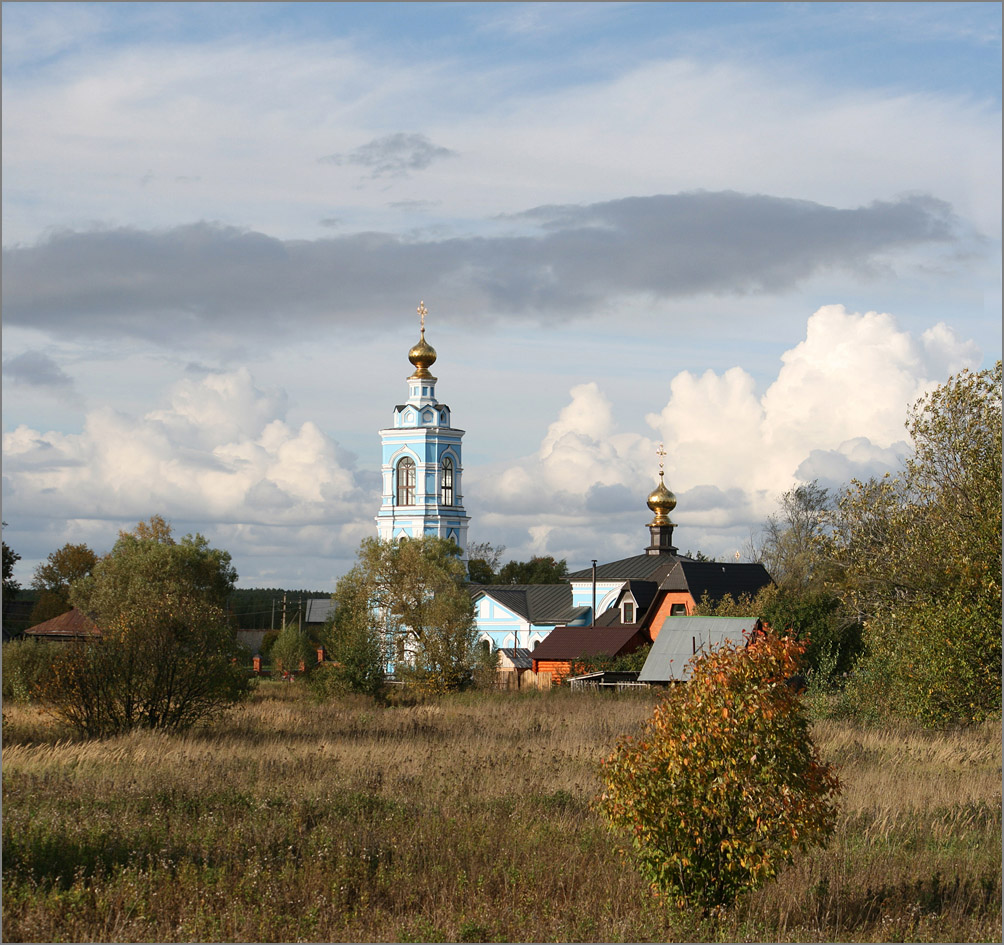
(836, 410)
(219, 454)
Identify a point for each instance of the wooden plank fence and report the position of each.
(510, 679)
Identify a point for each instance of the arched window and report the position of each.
(446, 487)
(406, 481)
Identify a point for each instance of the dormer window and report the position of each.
(406, 481)
(627, 611)
(446, 482)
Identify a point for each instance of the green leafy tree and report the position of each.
(292, 649)
(53, 577)
(417, 591)
(352, 642)
(542, 569)
(816, 616)
(483, 562)
(167, 657)
(724, 782)
(918, 558)
(10, 558)
(789, 542)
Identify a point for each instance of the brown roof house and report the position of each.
(73, 625)
(564, 646)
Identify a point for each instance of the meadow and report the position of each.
(465, 818)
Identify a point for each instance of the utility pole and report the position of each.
(283, 610)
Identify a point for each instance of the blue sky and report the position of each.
(754, 232)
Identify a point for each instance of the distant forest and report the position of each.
(260, 608)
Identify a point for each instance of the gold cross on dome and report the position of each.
(422, 312)
(660, 452)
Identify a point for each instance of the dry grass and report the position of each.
(462, 819)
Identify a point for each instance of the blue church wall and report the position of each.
(606, 594)
(502, 627)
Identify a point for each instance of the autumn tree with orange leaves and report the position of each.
(724, 783)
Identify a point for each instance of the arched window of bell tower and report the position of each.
(406, 481)
(446, 482)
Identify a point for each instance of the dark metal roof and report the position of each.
(518, 656)
(643, 593)
(681, 637)
(569, 643)
(641, 567)
(538, 603)
(716, 579)
(73, 625)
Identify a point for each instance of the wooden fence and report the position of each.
(524, 679)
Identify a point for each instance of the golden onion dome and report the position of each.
(423, 356)
(662, 502)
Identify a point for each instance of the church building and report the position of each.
(422, 467)
(612, 607)
(630, 598)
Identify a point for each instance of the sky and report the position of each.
(754, 233)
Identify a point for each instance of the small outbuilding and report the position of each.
(564, 646)
(73, 625)
(680, 639)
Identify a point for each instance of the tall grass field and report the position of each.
(467, 818)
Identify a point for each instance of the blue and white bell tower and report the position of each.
(422, 468)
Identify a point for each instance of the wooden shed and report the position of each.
(558, 653)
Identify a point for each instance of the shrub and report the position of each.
(167, 657)
(724, 782)
(25, 662)
(292, 649)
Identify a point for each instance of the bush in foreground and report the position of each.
(167, 657)
(724, 783)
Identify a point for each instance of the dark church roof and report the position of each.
(537, 603)
(716, 579)
(641, 567)
(644, 594)
(676, 573)
(569, 643)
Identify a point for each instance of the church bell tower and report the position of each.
(661, 501)
(422, 468)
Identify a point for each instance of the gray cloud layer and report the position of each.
(392, 155)
(37, 369)
(206, 278)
